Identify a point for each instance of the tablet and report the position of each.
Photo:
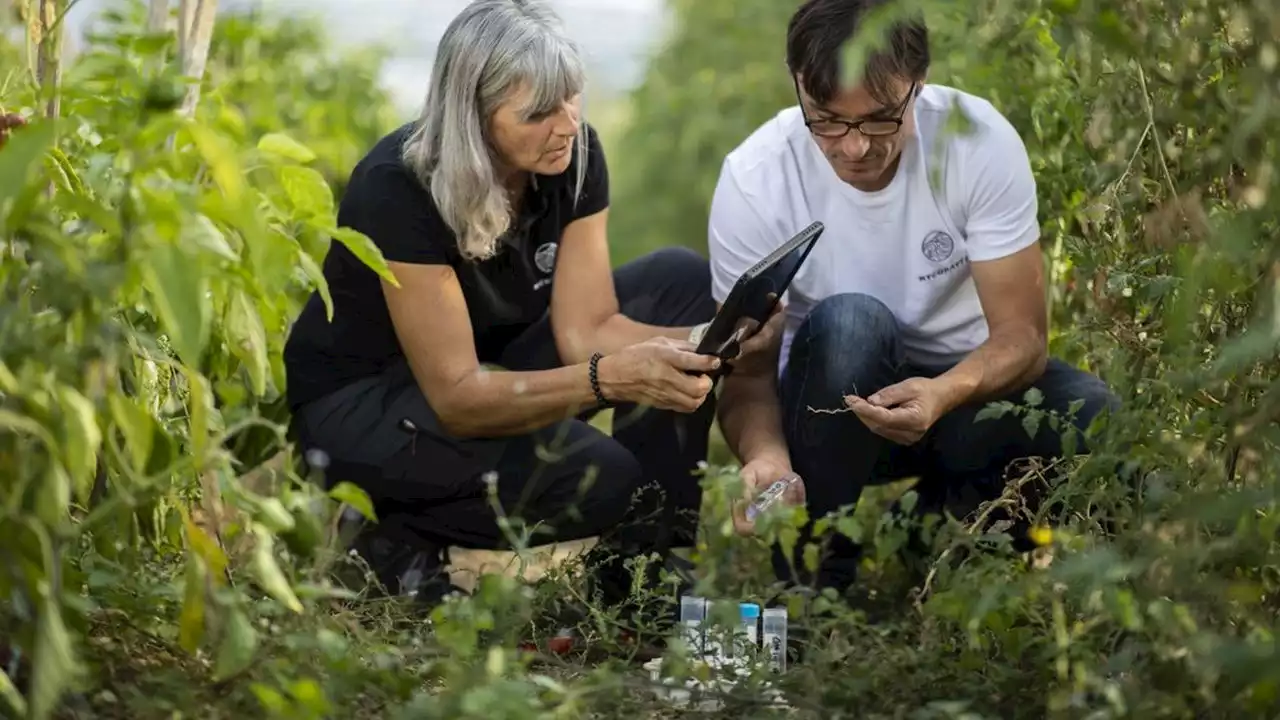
(756, 293)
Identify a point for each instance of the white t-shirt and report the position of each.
(906, 245)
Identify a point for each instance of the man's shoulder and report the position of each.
(962, 120)
(768, 156)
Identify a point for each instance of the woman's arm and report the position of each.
(473, 402)
(441, 350)
(585, 316)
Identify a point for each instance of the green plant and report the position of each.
(157, 545)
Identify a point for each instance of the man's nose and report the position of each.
(855, 144)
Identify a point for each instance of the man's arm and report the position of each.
(1002, 236)
(748, 408)
(1014, 355)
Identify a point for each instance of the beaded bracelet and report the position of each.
(593, 373)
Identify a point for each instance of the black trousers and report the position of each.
(563, 482)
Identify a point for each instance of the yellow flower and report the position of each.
(1040, 535)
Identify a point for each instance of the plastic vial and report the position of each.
(693, 613)
(770, 495)
(714, 650)
(774, 625)
(748, 628)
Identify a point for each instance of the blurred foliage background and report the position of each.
(157, 564)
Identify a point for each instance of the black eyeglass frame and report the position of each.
(850, 125)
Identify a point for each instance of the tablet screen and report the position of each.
(758, 290)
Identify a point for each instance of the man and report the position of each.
(917, 307)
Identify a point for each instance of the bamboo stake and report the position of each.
(195, 28)
(49, 57)
(157, 15)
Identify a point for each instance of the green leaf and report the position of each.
(134, 423)
(53, 498)
(272, 256)
(286, 147)
(1033, 397)
(357, 498)
(13, 422)
(272, 513)
(16, 704)
(221, 156)
(992, 411)
(191, 617)
(248, 338)
(872, 36)
(204, 546)
(81, 438)
(316, 274)
(269, 573)
(1031, 422)
(308, 192)
(177, 285)
(201, 232)
(200, 408)
(366, 251)
(19, 156)
(55, 667)
(239, 643)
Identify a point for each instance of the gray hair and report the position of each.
(488, 51)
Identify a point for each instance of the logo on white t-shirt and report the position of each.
(937, 246)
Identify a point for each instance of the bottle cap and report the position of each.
(748, 611)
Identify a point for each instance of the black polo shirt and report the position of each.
(505, 294)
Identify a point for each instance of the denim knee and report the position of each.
(682, 266)
(846, 337)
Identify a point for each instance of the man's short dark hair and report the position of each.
(817, 35)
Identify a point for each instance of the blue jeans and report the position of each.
(852, 341)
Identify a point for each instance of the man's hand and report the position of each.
(757, 475)
(8, 123)
(903, 412)
(758, 354)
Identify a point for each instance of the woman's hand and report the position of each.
(661, 373)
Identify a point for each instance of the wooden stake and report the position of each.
(158, 15)
(49, 55)
(195, 33)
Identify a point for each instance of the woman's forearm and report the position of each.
(498, 403)
(616, 332)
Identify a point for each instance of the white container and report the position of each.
(715, 638)
(693, 616)
(774, 627)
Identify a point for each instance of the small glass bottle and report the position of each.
(771, 495)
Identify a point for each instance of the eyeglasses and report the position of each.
(875, 127)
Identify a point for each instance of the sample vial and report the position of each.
(693, 613)
(774, 626)
(748, 629)
(718, 639)
(770, 495)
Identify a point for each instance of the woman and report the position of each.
(491, 212)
